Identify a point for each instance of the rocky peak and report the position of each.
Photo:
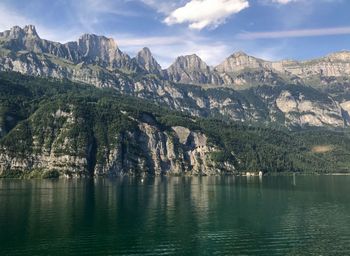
(13, 33)
(30, 31)
(98, 48)
(145, 53)
(89, 48)
(239, 61)
(95, 40)
(18, 33)
(190, 63)
(17, 39)
(239, 54)
(193, 70)
(145, 60)
(104, 51)
(339, 56)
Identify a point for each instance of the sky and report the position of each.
(212, 29)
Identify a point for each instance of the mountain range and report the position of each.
(85, 108)
(285, 93)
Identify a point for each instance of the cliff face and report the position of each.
(75, 140)
(300, 111)
(334, 65)
(311, 72)
(47, 66)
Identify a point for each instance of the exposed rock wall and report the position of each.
(60, 142)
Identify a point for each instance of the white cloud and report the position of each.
(295, 33)
(205, 13)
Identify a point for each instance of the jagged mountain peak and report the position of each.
(193, 70)
(30, 30)
(242, 55)
(189, 56)
(146, 51)
(145, 59)
(89, 48)
(101, 49)
(145, 54)
(17, 32)
(189, 62)
(239, 54)
(239, 61)
(98, 41)
(88, 36)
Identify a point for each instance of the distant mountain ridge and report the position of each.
(242, 88)
(103, 51)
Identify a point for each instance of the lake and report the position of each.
(304, 215)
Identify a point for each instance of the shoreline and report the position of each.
(284, 174)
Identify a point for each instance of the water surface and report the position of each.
(176, 216)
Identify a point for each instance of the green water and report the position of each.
(176, 216)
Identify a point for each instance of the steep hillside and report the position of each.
(55, 127)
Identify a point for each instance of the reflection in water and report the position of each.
(177, 215)
(294, 180)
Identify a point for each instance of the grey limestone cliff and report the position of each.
(64, 139)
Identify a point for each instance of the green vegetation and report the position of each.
(28, 106)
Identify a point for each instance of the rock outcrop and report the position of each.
(309, 72)
(146, 61)
(191, 69)
(72, 143)
(300, 111)
(334, 65)
(240, 61)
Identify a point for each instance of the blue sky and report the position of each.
(213, 29)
